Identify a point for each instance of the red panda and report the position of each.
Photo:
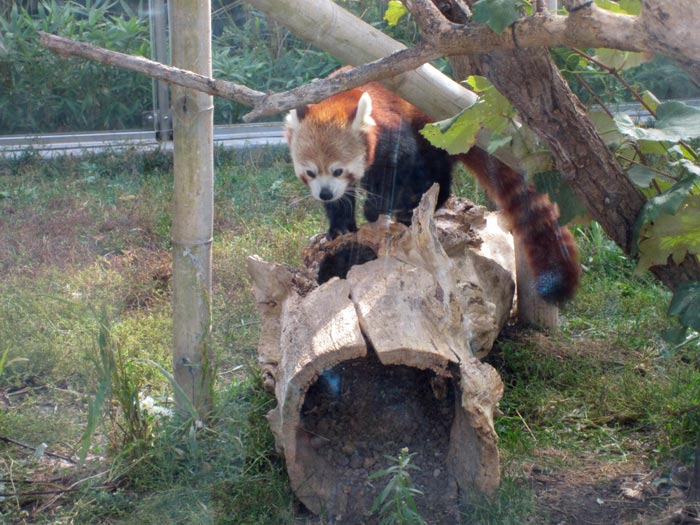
(368, 138)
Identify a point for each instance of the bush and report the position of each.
(43, 92)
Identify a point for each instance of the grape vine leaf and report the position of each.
(497, 141)
(606, 127)
(650, 100)
(686, 304)
(620, 60)
(671, 235)
(394, 11)
(641, 175)
(675, 121)
(498, 14)
(457, 134)
(666, 204)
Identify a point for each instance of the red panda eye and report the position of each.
(337, 172)
(311, 174)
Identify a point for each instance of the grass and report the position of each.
(603, 394)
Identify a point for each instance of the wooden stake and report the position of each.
(193, 204)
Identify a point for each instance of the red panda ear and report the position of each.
(361, 117)
(301, 112)
(295, 116)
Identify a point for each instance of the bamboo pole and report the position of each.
(331, 28)
(192, 229)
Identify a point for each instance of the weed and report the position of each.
(396, 502)
(118, 385)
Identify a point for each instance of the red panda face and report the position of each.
(328, 146)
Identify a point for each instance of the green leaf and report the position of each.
(667, 203)
(497, 141)
(680, 118)
(394, 11)
(675, 121)
(671, 235)
(641, 175)
(455, 135)
(651, 147)
(478, 83)
(620, 60)
(684, 151)
(650, 100)
(626, 7)
(630, 7)
(688, 167)
(606, 127)
(497, 14)
(686, 305)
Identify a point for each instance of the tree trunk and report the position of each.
(192, 208)
(386, 357)
(530, 80)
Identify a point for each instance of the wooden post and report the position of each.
(532, 309)
(192, 206)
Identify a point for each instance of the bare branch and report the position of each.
(29, 447)
(429, 18)
(403, 60)
(264, 104)
(173, 75)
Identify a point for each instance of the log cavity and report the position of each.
(339, 263)
(361, 410)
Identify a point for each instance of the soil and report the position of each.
(595, 492)
(361, 411)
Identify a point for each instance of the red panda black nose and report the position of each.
(325, 194)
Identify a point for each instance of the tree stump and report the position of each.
(375, 345)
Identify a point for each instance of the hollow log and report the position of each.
(374, 345)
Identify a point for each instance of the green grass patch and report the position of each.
(92, 234)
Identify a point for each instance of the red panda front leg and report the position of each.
(341, 216)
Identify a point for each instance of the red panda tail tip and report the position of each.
(556, 268)
(556, 286)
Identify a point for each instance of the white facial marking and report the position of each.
(335, 185)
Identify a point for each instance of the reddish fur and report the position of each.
(533, 217)
(551, 250)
